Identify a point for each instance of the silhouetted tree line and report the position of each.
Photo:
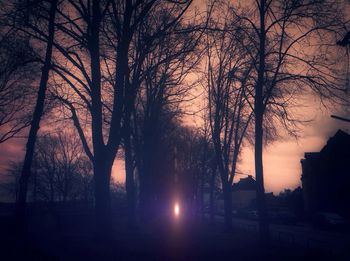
(60, 171)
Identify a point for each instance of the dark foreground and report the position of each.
(69, 236)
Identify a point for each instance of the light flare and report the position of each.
(177, 209)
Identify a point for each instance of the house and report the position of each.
(244, 196)
(326, 177)
(244, 193)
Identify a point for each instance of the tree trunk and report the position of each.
(129, 179)
(228, 206)
(260, 191)
(226, 186)
(212, 195)
(201, 196)
(38, 111)
(35, 185)
(103, 155)
(145, 193)
(103, 218)
(52, 193)
(64, 187)
(258, 149)
(202, 180)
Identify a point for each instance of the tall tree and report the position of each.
(158, 102)
(163, 53)
(292, 55)
(148, 42)
(229, 113)
(38, 111)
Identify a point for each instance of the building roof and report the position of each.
(339, 142)
(333, 158)
(247, 183)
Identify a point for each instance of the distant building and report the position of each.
(244, 193)
(326, 176)
(244, 196)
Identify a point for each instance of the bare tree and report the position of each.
(229, 113)
(147, 42)
(194, 156)
(292, 53)
(162, 88)
(61, 170)
(38, 111)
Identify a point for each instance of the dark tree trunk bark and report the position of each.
(226, 191)
(129, 179)
(35, 199)
(202, 180)
(103, 218)
(258, 149)
(103, 155)
(260, 191)
(228, 206)
(145, 193)
(52, 192)
(212, 196)
(201, 196)
(65, 187)
(38, 111)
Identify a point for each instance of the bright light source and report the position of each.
(176, 210)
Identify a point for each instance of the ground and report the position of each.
(69, 236)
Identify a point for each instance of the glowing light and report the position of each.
(176, 210)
